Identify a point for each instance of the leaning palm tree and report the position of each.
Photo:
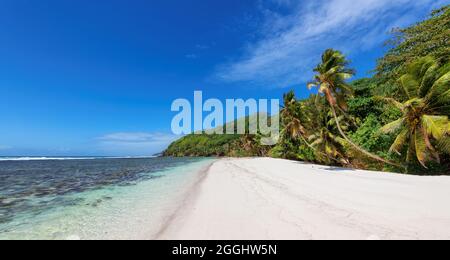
(328, 145)
(298, 124)
(424, 126)
(294, 119)
(330, 78)
(291, 117)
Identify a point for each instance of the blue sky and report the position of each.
(82, 77)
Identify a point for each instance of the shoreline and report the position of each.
(132, 207)
(190, 199)
(274, 199)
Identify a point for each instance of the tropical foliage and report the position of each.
(397, 120)
(424, 125)
(331, 78)
(430, 37)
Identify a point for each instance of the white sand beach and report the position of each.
(271, 199)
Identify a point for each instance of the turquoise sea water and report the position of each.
(92, 198)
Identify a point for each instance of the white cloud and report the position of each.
(292, 43)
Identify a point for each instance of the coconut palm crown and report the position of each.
(331, 76)
(424, 127)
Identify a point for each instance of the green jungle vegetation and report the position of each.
(396, 120)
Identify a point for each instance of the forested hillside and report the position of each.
(395, 121)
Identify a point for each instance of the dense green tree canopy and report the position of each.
(398, 117)
(430, 37)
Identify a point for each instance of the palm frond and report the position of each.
(329, 150)
(435, 126)
(414, 103)
(331, 71)
(421, 148)
(410, 85)
(444, 98)
(411, 149)
(390, 101)
(341, 141)
(439, 87)
(393, 127)
(444, 145)
(430, 147)
(428, 78)
(345, 75)
(312, 84)
(400, 141)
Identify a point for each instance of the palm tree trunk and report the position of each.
(373, 156)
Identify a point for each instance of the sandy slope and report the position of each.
(279, 199)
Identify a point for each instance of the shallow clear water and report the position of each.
(92, 199)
